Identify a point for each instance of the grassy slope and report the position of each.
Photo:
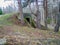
(6, 27)
(4, 18)
(26, 30)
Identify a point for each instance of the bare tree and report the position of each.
(21, 12)
(38, 15)
(45, 11)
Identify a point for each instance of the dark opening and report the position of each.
(28, 19)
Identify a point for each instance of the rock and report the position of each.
(3, 41)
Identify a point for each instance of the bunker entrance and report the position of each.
(28, 20)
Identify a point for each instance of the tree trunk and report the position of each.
(38, 16)
(21, 12)
(45, 11)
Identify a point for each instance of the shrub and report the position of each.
(33, 24)
(48, 20)
(0, 11)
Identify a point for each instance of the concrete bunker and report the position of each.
(28, 17)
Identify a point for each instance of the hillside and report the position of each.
(24, 35)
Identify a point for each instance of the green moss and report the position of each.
(27, 15)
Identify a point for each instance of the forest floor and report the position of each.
(24, 35)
